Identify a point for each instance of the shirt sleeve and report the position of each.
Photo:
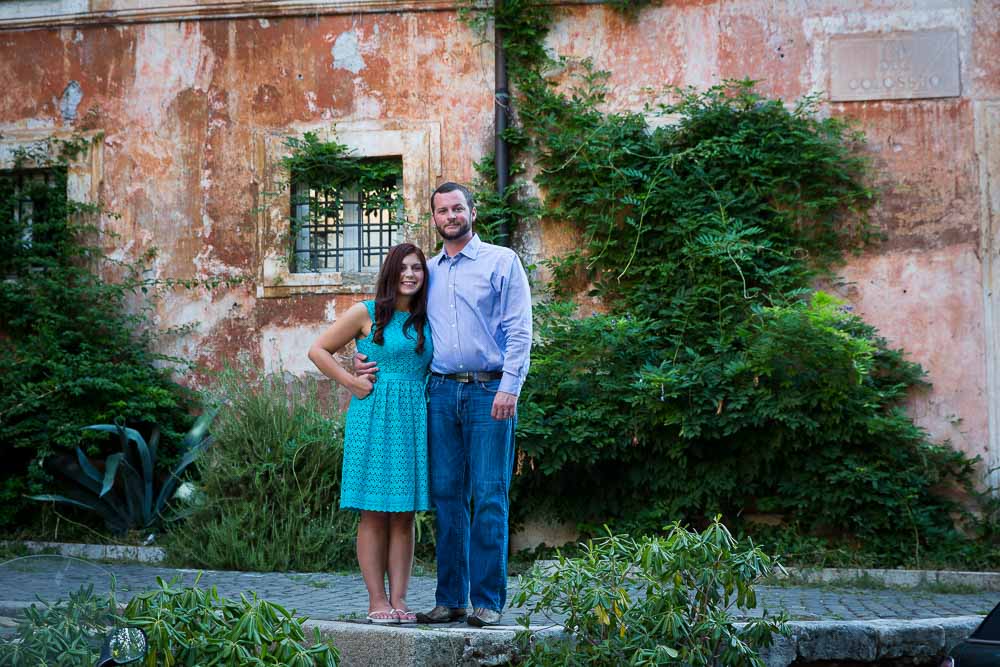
(515, 308)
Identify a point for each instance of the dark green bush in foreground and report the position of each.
(188, 625)
(670, 600)
(67, 633)
(268, 491)
(184, 625)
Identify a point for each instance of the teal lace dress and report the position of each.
(385, 439)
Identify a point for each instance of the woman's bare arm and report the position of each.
(353, 324)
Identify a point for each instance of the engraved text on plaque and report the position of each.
(903, 65)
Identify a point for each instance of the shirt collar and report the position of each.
(471, 250)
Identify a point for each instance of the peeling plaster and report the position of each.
(346, 54)
(366, 106)
(122, 253)
(206, 225)
(207, 265)
(199, 310)
(169, 58)
(285, 348)
(28, 124)
(35, 8)
(8, 152)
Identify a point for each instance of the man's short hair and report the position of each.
(451, 187)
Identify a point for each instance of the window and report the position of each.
(33, 209)
(329, 246)
(346, 229)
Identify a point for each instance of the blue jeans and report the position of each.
(471, 458)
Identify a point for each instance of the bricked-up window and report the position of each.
(33, 214)
(347, 228)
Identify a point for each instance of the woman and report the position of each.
(385, 440)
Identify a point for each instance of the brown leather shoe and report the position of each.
(484, 618)
(440, 614)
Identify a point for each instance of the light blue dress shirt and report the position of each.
(479, 307)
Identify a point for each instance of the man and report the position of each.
(479, 308)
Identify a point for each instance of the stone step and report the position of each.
(365, 645)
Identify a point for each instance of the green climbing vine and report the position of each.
(716, 378)
(332, 165)
(333, 170)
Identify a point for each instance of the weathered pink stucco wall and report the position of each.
(181, 102)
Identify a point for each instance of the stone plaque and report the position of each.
(894, 66)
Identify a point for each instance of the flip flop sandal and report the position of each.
(383, 617)
(405, 616)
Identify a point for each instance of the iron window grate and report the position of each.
(22, 186)
(348, 230)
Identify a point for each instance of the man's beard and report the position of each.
(462, 231)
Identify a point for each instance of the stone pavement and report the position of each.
(343, 597)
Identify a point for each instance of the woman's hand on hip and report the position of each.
(362, 385)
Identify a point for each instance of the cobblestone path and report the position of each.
(339, 596)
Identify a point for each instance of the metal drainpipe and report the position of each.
(501, 101)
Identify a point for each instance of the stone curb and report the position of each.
(808, 641)
(148, 555)
(364, 645)
(868, 641)
(983, 581)
(980, 581)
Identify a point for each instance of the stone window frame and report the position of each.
(416, 143)
(84, 172)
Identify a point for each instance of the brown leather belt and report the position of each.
(471, 376)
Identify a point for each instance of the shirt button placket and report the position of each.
(454, 306)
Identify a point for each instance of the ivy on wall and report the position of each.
(320, 174)
(718, 379)
(332, 165)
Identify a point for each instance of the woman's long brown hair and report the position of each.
(385, 295)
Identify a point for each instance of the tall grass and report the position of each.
(269, 487)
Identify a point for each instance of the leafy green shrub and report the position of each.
(269, 486)
(73, 349)
(184, 626)
(126, 493)
(62, 634)
(576, 420)
(193, 626)
(653, 601)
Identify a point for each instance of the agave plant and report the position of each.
(136, 501)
